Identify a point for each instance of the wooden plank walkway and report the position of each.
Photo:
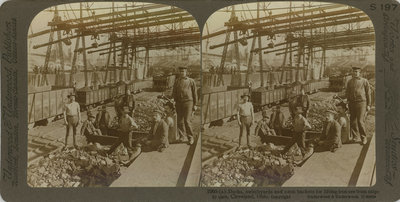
(155, 169)
(346, 167)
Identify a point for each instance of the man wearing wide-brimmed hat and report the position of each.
(330, 139)
(359, 99)
(72, 117)
(245, 118)
(184, 93)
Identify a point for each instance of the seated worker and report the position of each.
(171, 122)
(330, 138)
(277, 120)
(300, 125)
(88, 129)
(126, 126)
(158, 135)
(102, 120)
(262, 129)
(344, 123)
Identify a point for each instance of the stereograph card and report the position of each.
(235, 100)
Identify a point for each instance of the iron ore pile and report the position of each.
(73, 168)
(316, 114)
(261, 167)
(144, 111)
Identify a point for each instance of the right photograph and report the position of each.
(288, 96)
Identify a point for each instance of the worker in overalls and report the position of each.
(359, 99)
(185, 96)
(72, 118)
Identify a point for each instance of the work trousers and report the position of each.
(300, 139)
(246, 124)
(125, 139)
(72, 123)
(357, 119)
(184, 112)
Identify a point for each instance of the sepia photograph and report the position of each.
(113, 96)
(288, 96)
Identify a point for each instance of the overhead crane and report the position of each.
(300, 31)
(128, 31)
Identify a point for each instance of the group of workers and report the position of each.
(174, 127)
(338, 127)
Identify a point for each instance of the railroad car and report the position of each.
(48, 104)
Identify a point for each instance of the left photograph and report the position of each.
(113, 96)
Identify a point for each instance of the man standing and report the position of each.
(277, 120)
(185, 96)
(359, 100)
(129, 101)
(72, 118)
(103, 120)
(303, 101)
(292, 103)
(126, 126)
(245, 118)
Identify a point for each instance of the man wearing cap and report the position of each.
(262, 129)
(185, 96)
(72, 117)
(359, 100)
(126, 125)
(344, 122)
(245, 117)
(102, 120)
(277, 120)
(158, 135)
(88, 129)
(330, 138)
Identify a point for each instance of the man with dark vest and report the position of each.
(103, 120)
(359, 100)
(185, 96)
